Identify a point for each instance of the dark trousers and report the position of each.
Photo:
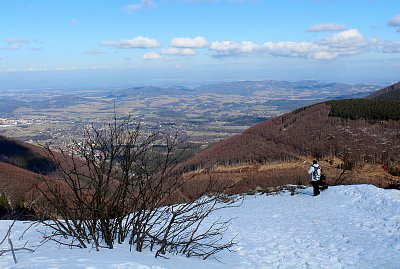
(316, 185)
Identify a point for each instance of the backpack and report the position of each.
(316, 173)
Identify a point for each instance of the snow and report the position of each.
(345, 227)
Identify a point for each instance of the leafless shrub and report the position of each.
(120, 184)
(344, 170)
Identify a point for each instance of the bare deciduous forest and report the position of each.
(309, 133)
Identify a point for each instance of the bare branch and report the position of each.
(122, 184)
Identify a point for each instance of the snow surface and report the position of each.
(345, 227)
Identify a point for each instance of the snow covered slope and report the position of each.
(345, 227)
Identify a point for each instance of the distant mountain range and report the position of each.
(148, 91)
(268, 87)
(273, 88)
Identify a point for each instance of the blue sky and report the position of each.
(76, 43)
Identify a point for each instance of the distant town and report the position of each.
(205, 114)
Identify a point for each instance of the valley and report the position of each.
(205, 113)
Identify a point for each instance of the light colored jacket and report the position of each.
(311, 170)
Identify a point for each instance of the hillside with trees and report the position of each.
(25, 156)
(21, 165)
(347, 134)
(311, 132)
(371, 110)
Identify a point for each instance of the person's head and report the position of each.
(314, 162)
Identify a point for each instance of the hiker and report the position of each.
(315, 172)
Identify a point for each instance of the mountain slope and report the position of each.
(310, 132)
(17, 183)
(25, 156)
(22, 166)
(391, 92)
(345, 134)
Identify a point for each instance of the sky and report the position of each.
(75, 43)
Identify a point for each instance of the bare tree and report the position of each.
(120, 184)
(344, 169)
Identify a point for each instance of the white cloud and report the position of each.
(395, 21)
(326, 27)
(222, 46)
(183, 42)
(66, 68)
(351, 34)
(151, 56)
(8, 70)
(391, 47)
(137, 42)
(178, 51)
(143, 4)
(37, 69)
(298, 50)
(231, 48)
(324, 55)
(347, 42)
(14, 43)
(248, 47)
(344, 43)
(346, 39)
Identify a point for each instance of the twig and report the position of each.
(12, 250)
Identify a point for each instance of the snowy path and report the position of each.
(344, 227)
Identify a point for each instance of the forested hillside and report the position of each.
(310, 132)
(362, 135)
(24, 156)
(375, 109)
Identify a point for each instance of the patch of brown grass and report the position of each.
(248, 177)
